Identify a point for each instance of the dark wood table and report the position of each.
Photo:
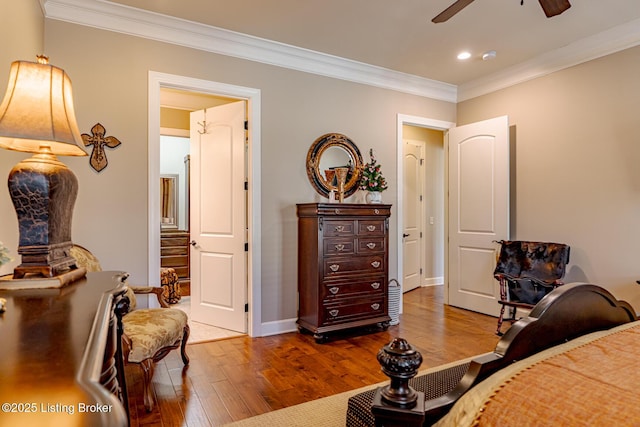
(58, 354)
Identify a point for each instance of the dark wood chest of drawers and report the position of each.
(343, 260)
(174, 252)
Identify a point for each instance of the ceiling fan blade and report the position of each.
(554, 7)
(452, 10)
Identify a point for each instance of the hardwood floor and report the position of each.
(241, 377)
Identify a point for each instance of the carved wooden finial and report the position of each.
(400, 362)
(397, 404)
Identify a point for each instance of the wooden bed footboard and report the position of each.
(566, 313)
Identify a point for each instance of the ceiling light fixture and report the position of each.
(464, 55)
(490, 54)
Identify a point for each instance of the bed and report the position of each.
(575, 360)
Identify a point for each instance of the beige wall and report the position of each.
(109, 73)
(174, 119)
(577, 148)
(21, 29)
(22, 32)
(577, 156)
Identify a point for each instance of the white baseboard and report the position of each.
(431, 281)
(279, 327)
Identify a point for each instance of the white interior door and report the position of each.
(412, 235)
(478, 211)
(218, 217)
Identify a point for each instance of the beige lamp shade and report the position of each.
(37, 116)
(37, 110)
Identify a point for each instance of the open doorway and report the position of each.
(476, 157)
(183, 95)
(421, 200)
(176, 188)
(423, 233)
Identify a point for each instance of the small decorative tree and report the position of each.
(371, 178)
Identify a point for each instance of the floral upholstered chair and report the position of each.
(170, 285)
(149, 334)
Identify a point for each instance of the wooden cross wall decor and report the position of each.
(98, 160)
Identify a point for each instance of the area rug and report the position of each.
(326, 412)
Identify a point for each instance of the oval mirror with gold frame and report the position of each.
(327, 156)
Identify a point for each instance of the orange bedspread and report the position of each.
(593, 384)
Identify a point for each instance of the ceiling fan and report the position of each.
(550, 7)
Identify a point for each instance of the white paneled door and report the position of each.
(478, 211)
(218, 217)
(413, 246)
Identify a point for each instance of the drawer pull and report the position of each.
(371, 227)
(333, 313)
(376, 211)
(375, 285)
(375, 306)
(339, 228)
(375, 264)
(334, 267)
(371, 245)
(340, 247)
(334, 290)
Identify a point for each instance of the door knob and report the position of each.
(193, 243)
(405, 235)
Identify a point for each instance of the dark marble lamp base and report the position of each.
(43, 191)
(46, 261)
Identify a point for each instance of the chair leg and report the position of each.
(503, 297)
(147, 372)
(148, 366)
(183, 347)
(500, 318)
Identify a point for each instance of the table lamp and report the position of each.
(37, 116)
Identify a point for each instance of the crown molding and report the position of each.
(140, 23)
(598, 45)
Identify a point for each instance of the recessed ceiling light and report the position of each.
(464, 55)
